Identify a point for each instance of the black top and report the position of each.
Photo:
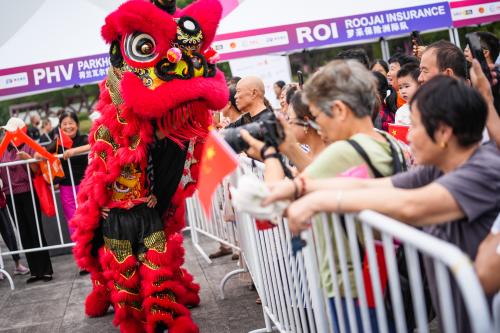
(78, 163)
(247, 119)
(47, 137)
(34, 133)
(167, 161)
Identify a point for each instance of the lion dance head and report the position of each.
(163, 67)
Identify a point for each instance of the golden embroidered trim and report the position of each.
(165, 295)
(103, 134)
(129, 273)
(156, 241)
(134, 142)
(121, 249)
(132, 291)
(150, 265)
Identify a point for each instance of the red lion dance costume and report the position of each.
(155, 116)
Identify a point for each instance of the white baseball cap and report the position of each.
(13, 124)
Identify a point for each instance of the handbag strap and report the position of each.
(397, 165)
(365, 157)
(396, 156)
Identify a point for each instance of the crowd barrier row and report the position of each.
(364, 268)
(61, 240)
(290, 288)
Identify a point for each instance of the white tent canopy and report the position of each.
(257, 14)
(39, 31)
(48, 44)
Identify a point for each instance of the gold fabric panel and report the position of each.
(121, 249)
(150, 265)
(113, 84)
(133, 291)
(159, 309)
(156, 241)
(103, 134)
(167, 294)
(134, 142)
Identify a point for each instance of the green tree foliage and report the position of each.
(183, 3)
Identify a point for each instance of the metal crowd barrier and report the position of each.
(12, 215)
(293, 299)
(447, 261)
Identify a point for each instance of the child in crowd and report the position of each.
(408, 85)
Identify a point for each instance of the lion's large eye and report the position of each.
(140, 47)
(188, 25)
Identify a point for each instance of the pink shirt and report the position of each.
(18, 173)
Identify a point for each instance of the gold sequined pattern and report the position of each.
(103, 134)
(134, 142)
(158, 282)
(119, 117)
(128, 273)
(103, 155)
(160, 309)
(156, 241)
(121, 249)
(150, 265)
(113, 85)
(135, 305)
(165, 295)
(141, 256)
(133, 291)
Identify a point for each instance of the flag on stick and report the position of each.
(217, 161)
(400, 132)
(64, 140)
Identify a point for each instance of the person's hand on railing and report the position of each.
(39, 156)
(281, 190)
(69, 153)
(300, 212)
(152, 201)
(24, 155)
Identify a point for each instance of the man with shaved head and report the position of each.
(250, 100)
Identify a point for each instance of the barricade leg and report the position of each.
(191, 209)
(5, 273)
(227, 277)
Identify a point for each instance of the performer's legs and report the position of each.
(191, 298)
(121, 271)
(159, 287)
(98, 301)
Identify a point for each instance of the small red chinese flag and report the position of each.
(64, 140)
(217, 161)
(400, 132)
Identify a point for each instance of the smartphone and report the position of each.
(477, 52)
(415, 38)
(301, 78)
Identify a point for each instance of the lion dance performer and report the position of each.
(146, 146)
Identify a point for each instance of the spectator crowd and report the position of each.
(442, 175)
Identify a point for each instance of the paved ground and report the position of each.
(57, 306)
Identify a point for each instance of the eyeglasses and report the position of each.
(298, 122)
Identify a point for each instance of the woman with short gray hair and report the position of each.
(346, 81)
(341, 98)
